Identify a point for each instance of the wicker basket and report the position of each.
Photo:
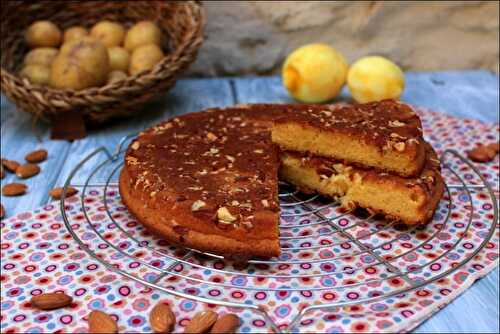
(181, 23)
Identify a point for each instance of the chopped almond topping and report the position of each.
(135, 145)
(211, 136)
(396, 124)
(400, 147)
(197, 205)
(224, 216)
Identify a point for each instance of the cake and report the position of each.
(209, 180)
(411, 200)
(386, 135)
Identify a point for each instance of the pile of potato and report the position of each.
(106, 53)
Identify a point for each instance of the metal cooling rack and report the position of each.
(304, 221)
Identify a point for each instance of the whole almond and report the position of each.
(482, 153)
(27, 170)
(201, 322)
(228, 323)
(161, 318)
(10, 165)
(50, 301)
(36, 156)
(100, 322)
(14, 189)
(56, 193)
(2, 211)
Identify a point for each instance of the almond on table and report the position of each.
(10, 165)
(56, 193)
(27, 170)
(494, 147)
(201, 322)
(14, 189)
(36, 156)
(162, 319)
(51, 300)
(100, 322)
(483, 153)
(228, 323)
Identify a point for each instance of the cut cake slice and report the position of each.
(411, 200)
(386, 135)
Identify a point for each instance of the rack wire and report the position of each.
(325, 249)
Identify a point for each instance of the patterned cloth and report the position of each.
(347, 261)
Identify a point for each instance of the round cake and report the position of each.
(209, 180)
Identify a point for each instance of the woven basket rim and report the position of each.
(119, 98)
(179, 50)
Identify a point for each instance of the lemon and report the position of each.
(375, 78)
(314, 73)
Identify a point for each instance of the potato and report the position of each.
(116, 76)
(142, 33)
(40, 56)
(119, 58)
(43, 33)
(109, 33)
(80, 64)
(74, 33)
(36, 73)
(144, 57)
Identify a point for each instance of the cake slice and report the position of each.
(386, 135)
(411, 200)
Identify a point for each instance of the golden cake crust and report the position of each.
(385, 135)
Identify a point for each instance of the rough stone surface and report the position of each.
(254, 37)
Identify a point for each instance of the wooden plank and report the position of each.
(20, 137)
(472, 94)
(187, 96)
(475, 311)
(467, 94)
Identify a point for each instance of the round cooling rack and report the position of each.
(330, 257)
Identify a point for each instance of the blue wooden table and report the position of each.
(473, 94)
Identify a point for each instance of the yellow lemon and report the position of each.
(314, 73)
(375, 78)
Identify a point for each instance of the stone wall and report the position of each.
(254, 37)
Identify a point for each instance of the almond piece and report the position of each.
(51, 300)
(56, 193)
(14, 189)
(201, 322)
(27, 170)
(400, 146)
(100, 322)
(161, 318)
(36, 156)
(481, 153)
(228, 323)
(494, 147)
(2, 211)
(10, 165)
(2, 173)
